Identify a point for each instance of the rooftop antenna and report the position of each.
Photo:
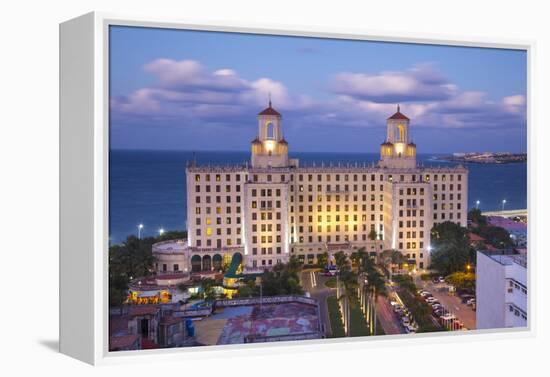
(398, 108)
(269, 96)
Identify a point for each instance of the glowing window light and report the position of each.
(270, 145)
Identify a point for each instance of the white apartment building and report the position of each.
(501, 290)
(272, 208)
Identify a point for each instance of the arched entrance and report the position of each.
(196, 263)
(217, 262)
(206, 263)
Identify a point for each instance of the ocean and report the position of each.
(148, 187)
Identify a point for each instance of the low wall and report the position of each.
(192, 313)
(281, 338)
(266, 300)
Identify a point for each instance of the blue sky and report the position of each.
(190, 90)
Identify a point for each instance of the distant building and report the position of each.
(501, 289)
(272, 208)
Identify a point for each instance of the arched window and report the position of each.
(401, 133)
(270, 131)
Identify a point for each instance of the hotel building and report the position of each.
(272, 207)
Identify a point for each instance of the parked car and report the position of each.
(441, 279)
(425, 293)
(430, 299)
(438, 313)
(446, 319)
(410, 329)
(471, 302)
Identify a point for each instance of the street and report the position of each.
(453, 304)
(314, 282)
(389, 321)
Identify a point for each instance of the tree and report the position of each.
(475, 216)
(207, 287)
(283, 279)
(462, 280)
(357, 258)
(496, 236)
(390, 258)
(341, 259)
(451, 247)
(127, 261)
(118, 277)
(244, 291)
(322, 260)
(372, 235)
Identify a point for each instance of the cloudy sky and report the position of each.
(189, 90)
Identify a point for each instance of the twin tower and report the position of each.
(270, 149)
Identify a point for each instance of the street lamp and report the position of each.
(140, 227)
(477, 204)
(503, 203)
(161, 231)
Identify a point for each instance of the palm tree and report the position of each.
(208, 292)
(376, 286)
(389, 258)
(341, 259)
(357, 258)
(322, 260)
(373, 237)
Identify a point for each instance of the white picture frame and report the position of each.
(84, 182)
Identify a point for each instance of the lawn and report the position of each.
(358, 324)
(331, 283)
(336, 324)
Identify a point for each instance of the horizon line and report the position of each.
(290, 153)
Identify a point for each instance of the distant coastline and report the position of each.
(485, 158)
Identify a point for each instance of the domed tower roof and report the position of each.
(412, 144)
(387, 144)
(398, 115)
(256, 141)
(269, 111)
(283, 141)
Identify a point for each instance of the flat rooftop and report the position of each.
(507, 257)
(231, 325)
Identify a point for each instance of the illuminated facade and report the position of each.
(273, 208)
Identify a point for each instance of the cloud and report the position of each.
(515, 104)
(187, 94)
(191, 75)
(419, 83)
